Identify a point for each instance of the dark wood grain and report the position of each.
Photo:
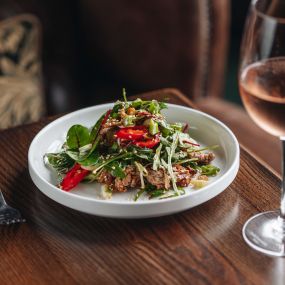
(203, 245)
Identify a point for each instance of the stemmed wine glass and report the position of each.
(262, 89)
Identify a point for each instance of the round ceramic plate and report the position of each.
(87, 197)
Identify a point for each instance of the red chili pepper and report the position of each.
(150, 143)
(73, 177)
(106, 117)
(132, 133)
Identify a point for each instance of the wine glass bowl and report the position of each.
(262, 89)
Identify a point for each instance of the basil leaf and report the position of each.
(77, 136)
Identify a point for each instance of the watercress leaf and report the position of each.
(77, 136)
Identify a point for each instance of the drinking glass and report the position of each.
(262, 89)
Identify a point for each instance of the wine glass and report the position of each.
(262, 89)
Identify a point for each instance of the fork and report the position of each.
(9, 215)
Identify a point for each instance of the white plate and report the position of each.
(204, 128)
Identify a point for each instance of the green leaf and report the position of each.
(156, 193)
(166, 131)
(123, 156)
(61, 162)
(125, 95)
(128, 121)
(154, 107)
(96, 128)
(177, 127)
(92, 159)
(115, 169)
(95, 137)
(77, 136)
(209, 170)
(137, 103)
(114, 147)
(75, 155)
(115, 110)
(162, 105)
(89, 178)
(139, 193)
(153, 127)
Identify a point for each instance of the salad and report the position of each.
(132, 146)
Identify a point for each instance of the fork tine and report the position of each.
(2, 200)
(8, 214)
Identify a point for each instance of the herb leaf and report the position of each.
(77, 136)
(115, 169)
(209, 170)
(92, 159)
(139, 193)
(95, 129)
(61, 162)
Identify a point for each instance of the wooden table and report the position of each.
(203, 245)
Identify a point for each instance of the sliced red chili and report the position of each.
(73, 177)
(132, 133)
(150, 143)
(107, 115)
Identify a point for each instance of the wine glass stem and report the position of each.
(282, 206)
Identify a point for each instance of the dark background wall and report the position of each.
(239, 10)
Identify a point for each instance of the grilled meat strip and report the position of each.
(131, 180)
(183, 175)
(203, 158)
(158, 178)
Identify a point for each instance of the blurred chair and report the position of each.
(21, 94)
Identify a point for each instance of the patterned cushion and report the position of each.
(21, 91)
